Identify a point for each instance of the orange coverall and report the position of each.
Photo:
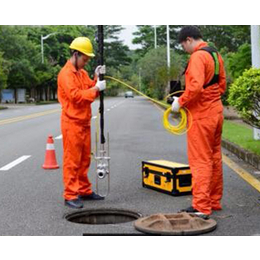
(76, 93)
(204, 137)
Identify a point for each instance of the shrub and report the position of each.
(244, 96)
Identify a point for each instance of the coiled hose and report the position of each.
(179, 129)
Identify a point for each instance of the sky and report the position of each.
(127, 35)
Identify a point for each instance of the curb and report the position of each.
(243, 154)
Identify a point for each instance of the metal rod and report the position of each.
(101, 77)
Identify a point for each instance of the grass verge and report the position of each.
(241, 136)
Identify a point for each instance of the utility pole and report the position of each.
(155, 37)
(255, 50)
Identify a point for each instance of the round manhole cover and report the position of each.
(103, 216)
(178, 224)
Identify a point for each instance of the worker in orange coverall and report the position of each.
(205, 82)
(76, 92)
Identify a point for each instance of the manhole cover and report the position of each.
(103, 216)
(178, 224)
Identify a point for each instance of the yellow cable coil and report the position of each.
(181, 127)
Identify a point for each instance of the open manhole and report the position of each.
(176, 224)
(103, 216)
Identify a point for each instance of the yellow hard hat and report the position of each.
(83, 45)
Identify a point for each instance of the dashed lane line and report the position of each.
(15, 162)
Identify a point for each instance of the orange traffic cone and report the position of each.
(50, 157)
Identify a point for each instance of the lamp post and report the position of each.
(140, 81)
(155, 37)
(168, 54)
(42, 39)
(255, 50)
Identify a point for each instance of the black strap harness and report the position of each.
(214, 54)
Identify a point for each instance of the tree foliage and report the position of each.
(21, 65)
(145, 37)
(226, 36)
(4, 71)
(21, 61)
(155, 73)
(240, 60)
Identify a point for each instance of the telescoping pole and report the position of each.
(101, 77)
(102, 153)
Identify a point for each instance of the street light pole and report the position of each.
(42, 39)
(155, 37)
(255, 50)
(140, 69)
(42, 48)
(168, 47)
(168, 56)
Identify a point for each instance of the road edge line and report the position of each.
(249, 178)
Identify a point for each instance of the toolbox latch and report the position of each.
(168, 177)
(146, 172)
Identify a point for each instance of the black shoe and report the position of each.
(75, 204)
(195, 212)
(92, 196)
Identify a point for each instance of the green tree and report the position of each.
(226, 36)
(145, 37)
(115, 52)
(21, 46)
(4, 71)
(240, 60)
(21, 54)
(155, 74)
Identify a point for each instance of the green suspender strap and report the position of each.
(213, 52)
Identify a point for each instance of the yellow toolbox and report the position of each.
(168, 177)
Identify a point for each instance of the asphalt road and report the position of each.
(31, 198)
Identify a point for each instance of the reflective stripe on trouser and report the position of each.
(76, 159)
(204, 154)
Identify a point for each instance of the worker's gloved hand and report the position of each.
(101, 85)
(101, 69)
(175, 105)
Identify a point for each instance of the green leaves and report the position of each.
(155, 73)
(244, 95)
(240, 60)
(4, 71)
(20, 53)
(226, 36)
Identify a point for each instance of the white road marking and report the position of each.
(58, 137)
(114, 106)
(14, 163)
